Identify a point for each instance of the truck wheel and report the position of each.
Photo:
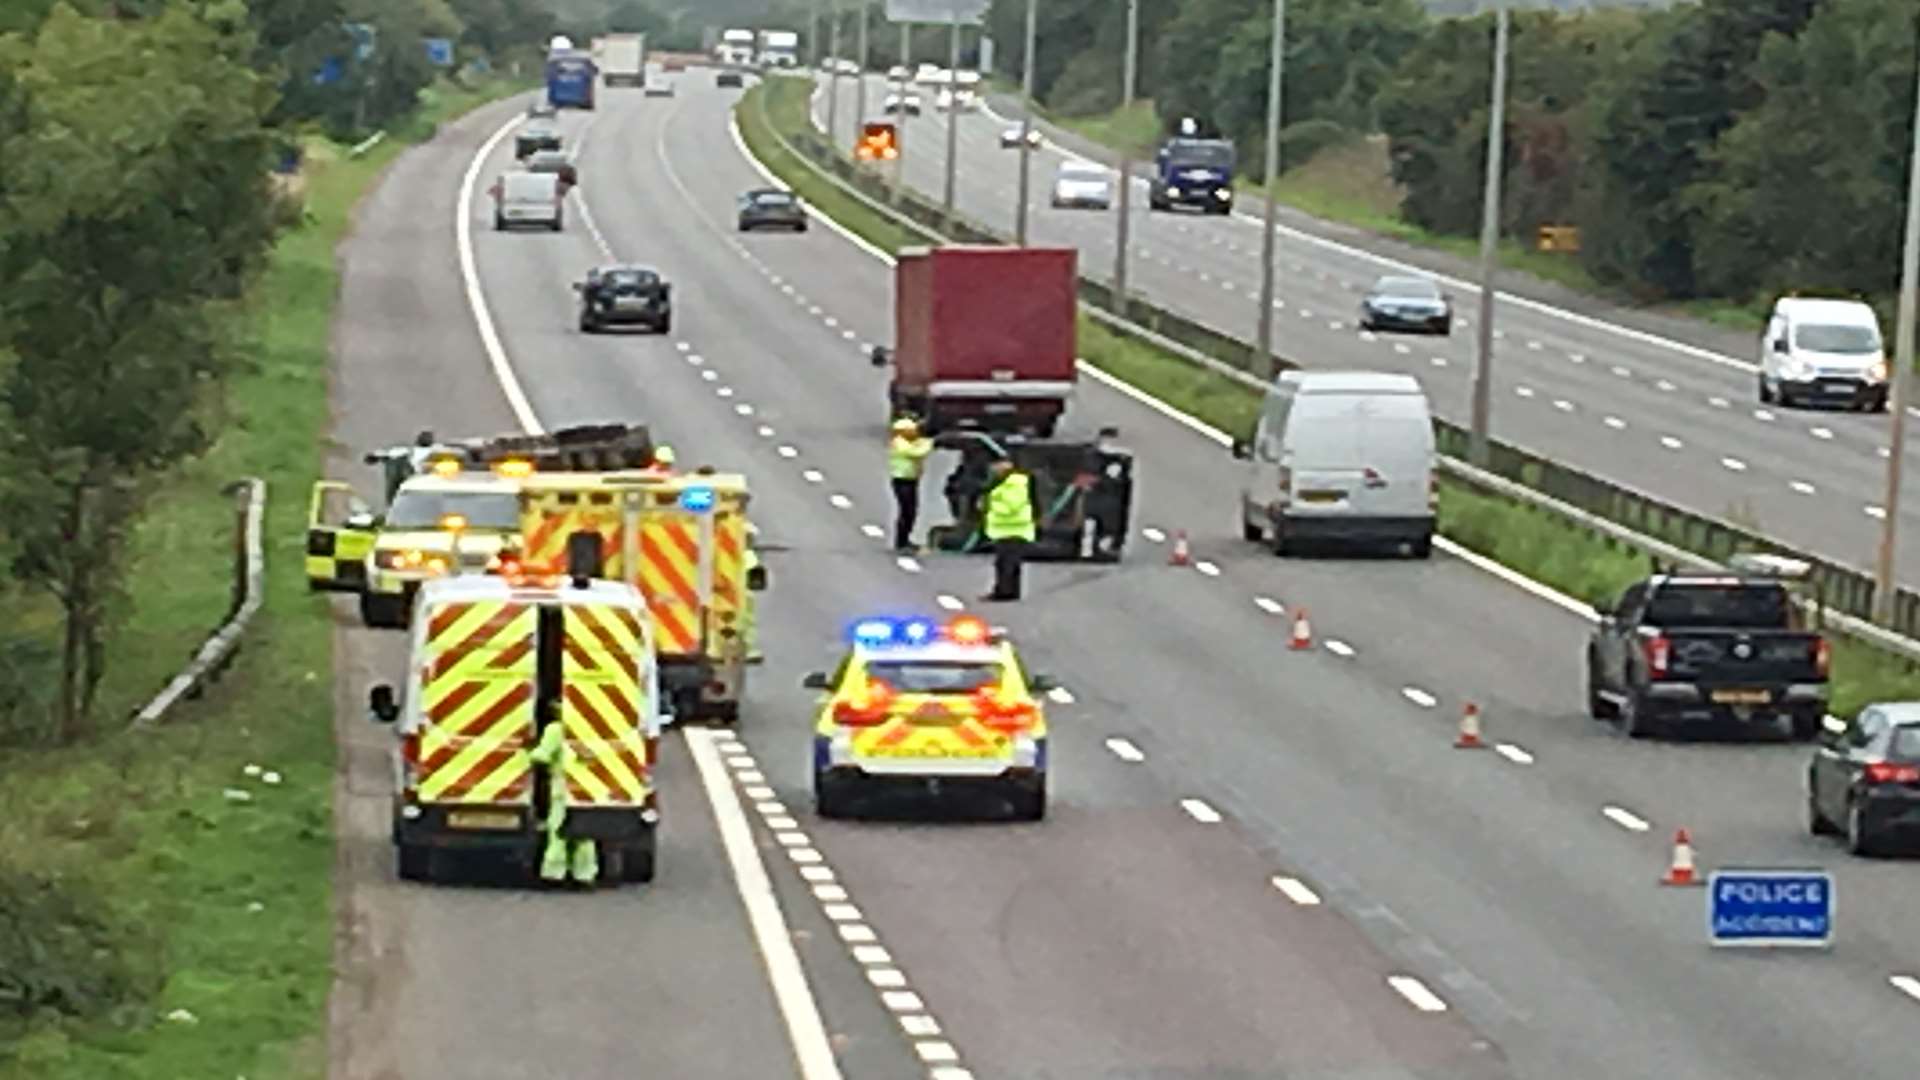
(1806, 725)
(1422, 546)
(415, 862)
(1598, 707)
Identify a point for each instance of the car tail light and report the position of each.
(1823, 657)
(1659, 654)
(865, 709)
(1891, 772)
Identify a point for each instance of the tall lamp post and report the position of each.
(1477, 450)
(1120, 307)
(1901, 377)
(1269, 239)
(1026, 129)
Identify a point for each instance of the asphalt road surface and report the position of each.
(1661, 404)
(1257, 863)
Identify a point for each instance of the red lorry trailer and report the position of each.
(984, 337)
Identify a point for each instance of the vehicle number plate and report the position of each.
(1321, 496)
(1837, 387)
(998, 409)
(1741, 697)
(629, 303)
(482, 819)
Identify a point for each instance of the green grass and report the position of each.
(1533, 542)
(213, 906)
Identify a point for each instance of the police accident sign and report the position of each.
(1770, 908)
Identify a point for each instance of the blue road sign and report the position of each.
(1770, 908)
(440, 51)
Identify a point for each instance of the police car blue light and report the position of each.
(697, 499)
(880, 633)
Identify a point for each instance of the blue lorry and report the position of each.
(1192, 170)
(571, 77)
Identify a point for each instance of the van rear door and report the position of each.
(1360, 454)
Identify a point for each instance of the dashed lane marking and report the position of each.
(1513, 753)
(1625, 818)
(1416, 993)
(1199, 811)
(1125, 750)
(1296, 890)
(1419, 697)
(1269, 605)
(1338, 647)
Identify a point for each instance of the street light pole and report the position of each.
(833, 75)
(1126, 163)
(1267, 241)
(860, 80)
(1884, 585)
(953, 115)
(813, 34)
(1477, 451)
(1026, 129)
(900, 124)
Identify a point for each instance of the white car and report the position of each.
(659, 88)
(847, 67)
(946, 100)
(929, 74)
(1082, 185)
(902, 104)
(898, 73)
(1010, 138)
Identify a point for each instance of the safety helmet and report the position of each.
(905, 425)
(663, 455)
(425, 438)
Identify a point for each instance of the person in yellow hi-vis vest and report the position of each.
(907, 454)
(582, 857)
(1008, 526)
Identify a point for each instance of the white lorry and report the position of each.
(735, 48)
(623, 59)
(779, 48)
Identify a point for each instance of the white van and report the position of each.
(1823, 352)
(528, 198)
(1341, 456)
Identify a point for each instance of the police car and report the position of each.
(918, 705)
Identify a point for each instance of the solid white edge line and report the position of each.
(798, 1007)
(476, 298)
(1416, 993)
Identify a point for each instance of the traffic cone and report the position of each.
(1469, 737)
(1181, 555)
(1681, 872)
(1302, 631)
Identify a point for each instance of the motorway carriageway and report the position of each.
(1257, 860)
(1676, 419)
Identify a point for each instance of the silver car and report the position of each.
(1082, 185)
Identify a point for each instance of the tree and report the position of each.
(132, 198)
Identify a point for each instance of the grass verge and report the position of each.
(1533, 542)
(209, 887)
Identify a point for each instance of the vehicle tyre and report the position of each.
(588, 326)
(1421, 547)
(831, 799)
(1282, 546)
(1446, 328)
(383, 612)
(664, 326)
(414, 862)
(1805, 725)
(1879, 404)
(1598, 707)
(638, 860)
(1250, 530)
(1817, 822)
(499, 223)
(559, 224)
(744, 227)
(1029, 799)
(1046, 428)
(1766, 395)
(802, 227)
(1634, 720)
(1860, 841)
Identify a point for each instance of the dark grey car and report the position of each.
(1863, 784)
(625, 296)
(1408, 304)
(772, 208)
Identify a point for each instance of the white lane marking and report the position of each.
(857, 934)
(773, 808)
(887, 978)
(935, 1052)
(920, 1027)
(1518, 580)
(1802, 487)
(839, 501)
(696, 359)
(743, 409)
(1624, 373)
(1402, 348)
(1500, 334)
(1670, 442)
(1419, 697)
(724, 391)
(872, 954)
(1878, 513)
(709, 374)
(949, 602)
(1625, 818)
(1513, 753)
(1906, 984)
(1615, 423)
(1296, 890)
(1338, 647)
(1734, 464)
(1416, 993)
(1369, 336)
(798, 1006)
(873, 531)
(908, 563)
(1269, 605)
(1820, 433)
(751, 776)
(1207, 568)
(1154, 535)
(476, 297)
(683, 346)
(813, 309)
(1524, 391)
(816, 873)
(849, 335)
(1665, 386)
(1533, 345)
(1125, 750)
(759, 792)
(1763, 415)
(842, 912)
(786, 451)
(1199, 811)
(764, 431)
(1720, 403)
(832, 323)
(1563, 404)
(1060, 695)
(902, 1001)
(1439, 361)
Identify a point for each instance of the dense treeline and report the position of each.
(1726, 148)
(136, 209)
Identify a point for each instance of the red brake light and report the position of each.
(1888, 772)
(1659, 654)
(1823, 657)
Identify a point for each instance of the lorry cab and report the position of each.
(491, 662)
(1820, 351)
(1341, 456)
(1193, 171)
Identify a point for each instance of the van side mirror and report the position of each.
(815, 680)
(1780, 345)
(579, 286)
(881, 356)
(1040, 684)
(383, 706)
(1242, 450)
(757, 579)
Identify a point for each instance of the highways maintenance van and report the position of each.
(492, 662)
(682, 541)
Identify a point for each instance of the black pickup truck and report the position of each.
(1700, 649)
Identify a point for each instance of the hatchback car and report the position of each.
(1010, 138)
(536, 136)
(772, 208)
(902, 105)
(555, 163)
(1081, 185)
(659, 88)
(1864, 781)
(542, 110)
(729, 79)
(625, 296)
(1409, 304)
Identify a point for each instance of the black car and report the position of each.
(1864, 781)
(771, 207)
(553, 161)
(535, 138)
(1408, 304)
(625, 296)
(729, 78)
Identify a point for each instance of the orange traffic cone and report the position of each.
(1681, 872)
(1469, 737)
(1181, 555)
(1302, 631)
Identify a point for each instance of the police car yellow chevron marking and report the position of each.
(603, 707)
(478, 698)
